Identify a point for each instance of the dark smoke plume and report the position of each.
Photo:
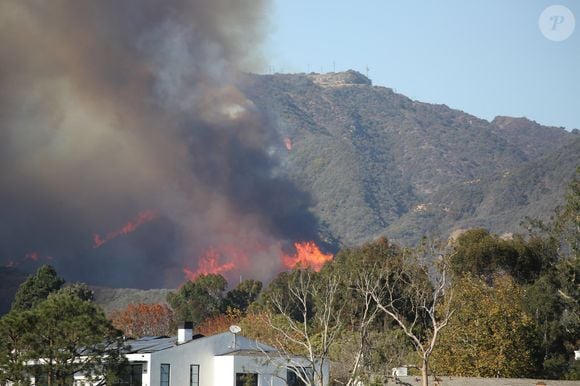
(109, 108)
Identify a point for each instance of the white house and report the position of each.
(225, 359)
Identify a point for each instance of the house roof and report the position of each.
(249, 352)
(151, 344)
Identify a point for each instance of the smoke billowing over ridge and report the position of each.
(111, 110)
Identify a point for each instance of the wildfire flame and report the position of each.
(30, 256)
(307, 255)
(209, 263)
(35, 256)
(288, 143)
(227, 258)
(131, 226)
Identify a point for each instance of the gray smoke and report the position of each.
(109, 108)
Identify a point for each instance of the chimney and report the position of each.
(184, 332)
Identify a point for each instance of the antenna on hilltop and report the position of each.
(235, 330)
(367, 69)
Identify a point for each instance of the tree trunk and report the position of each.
(425, 372)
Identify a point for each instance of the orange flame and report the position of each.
(131, 226)
(30, 256)
(288, 143)
(209, 263)
(35, 256)
(307, 255)
(228, 259)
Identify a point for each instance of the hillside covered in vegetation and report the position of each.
(377, 162)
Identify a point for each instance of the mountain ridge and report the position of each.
(369, 156)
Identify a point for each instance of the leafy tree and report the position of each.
(315, 331)
(37, 288)
(491, 333)
(221, 323)
(567, 223)
(63, 336)
(566, 275)
(278, 290)
(15, 346)
(361, 350)
(484, 255)
(411, 293)
(138, 320)
(199, 299)
(256, 325)
(553, 299)
(553, 303)
(243, 295)
(80, 290)
(60, 331)
(73, 336)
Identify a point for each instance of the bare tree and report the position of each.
(413, 295)
(314, 298)
(360, 282)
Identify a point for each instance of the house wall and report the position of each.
(270, 373)
(181, 358)
(216, 366)
(223, 371)
(197, 352)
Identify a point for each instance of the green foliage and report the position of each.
(491, 334)
(383, 260)
(278, 290)
(37, 288)
(10, 279)
(63, 335)
(79, 290)
(369, 156)
(16, 346)
(482, 254)
(199, 299)
(73, 336)
(380, 252)
(243, 295)
(567, 224)
(553, 302)
(553, 299)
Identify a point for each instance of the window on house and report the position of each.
(132, 376)
(292, 379)
(246, 379)
(194, 375)
(165, 370)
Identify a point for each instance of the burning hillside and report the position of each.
(226, 260)
(110, 108)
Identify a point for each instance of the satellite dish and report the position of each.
(235, 329)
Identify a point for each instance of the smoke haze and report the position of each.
(111, 108)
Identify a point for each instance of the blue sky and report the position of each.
(485, 57)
